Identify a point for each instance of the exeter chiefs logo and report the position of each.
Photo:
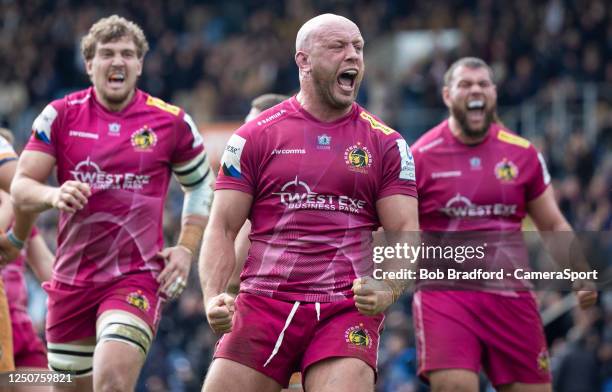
(358, 336)
(138, 300)
(506, 171)
(358, 158)
(144, 139)
(543, 361)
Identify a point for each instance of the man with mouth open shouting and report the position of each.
(115, 148)
(315, 175)
(474, 175)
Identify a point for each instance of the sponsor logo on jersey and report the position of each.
(114, 129)
(511, 138)
(42, 124)
(358, 158)
(144, 139)
(375, 124)
(139, 300)
(90, 173)
(272, 117)
(475, 163)
(288, 151)
(83, 134)
(166, 107)
(230, 161)
(446, 174)
(324, 142)
(506, 170)
(460, 206)
(358, 336)
(297, 195)
(407, 170)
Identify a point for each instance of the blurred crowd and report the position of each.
(213, 57)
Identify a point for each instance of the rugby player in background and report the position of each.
(471, 160)
(115, 148)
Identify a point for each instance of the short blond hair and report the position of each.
(110, 29)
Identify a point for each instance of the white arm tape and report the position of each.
(198, 200)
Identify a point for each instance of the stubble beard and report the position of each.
(460, 115)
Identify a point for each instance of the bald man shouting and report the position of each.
(316, 175)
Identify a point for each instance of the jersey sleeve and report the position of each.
(45, 129)
(538, 176)
(398, 170)
(7, 153)
(239, 167)
(189, 142)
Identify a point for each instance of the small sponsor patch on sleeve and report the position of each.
(230, 161)
(511, 138)
(407, 171)
(42, 124)
(375, 124)
(166, 107)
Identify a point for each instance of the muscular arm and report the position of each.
(217, 258)
(560, 241)
(399, 218)
(545, 213)
(398, 215)
(241, 247)
(7, 172)
(39, 258)
(29, 192)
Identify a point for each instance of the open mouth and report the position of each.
(116, 79)
(476, 109)
(346, 79)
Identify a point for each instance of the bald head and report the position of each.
(315, 26)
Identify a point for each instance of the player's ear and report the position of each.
(140, 64)
(303, 62)
(89, 68)
(446, 96)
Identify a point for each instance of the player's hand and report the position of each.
(71, 196)
(8, 251)
(220, 313)
(586, 293)
(173, 278)
(371, 296)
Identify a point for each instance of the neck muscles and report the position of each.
(318, 109)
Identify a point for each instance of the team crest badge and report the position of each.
(358, 158)
(475, 163)
(543, 361)
(506, 171)
(114, 129)
(138, 299)
(358, 336)
(144, 139)
(323, 142)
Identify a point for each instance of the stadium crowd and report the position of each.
(213, 58)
